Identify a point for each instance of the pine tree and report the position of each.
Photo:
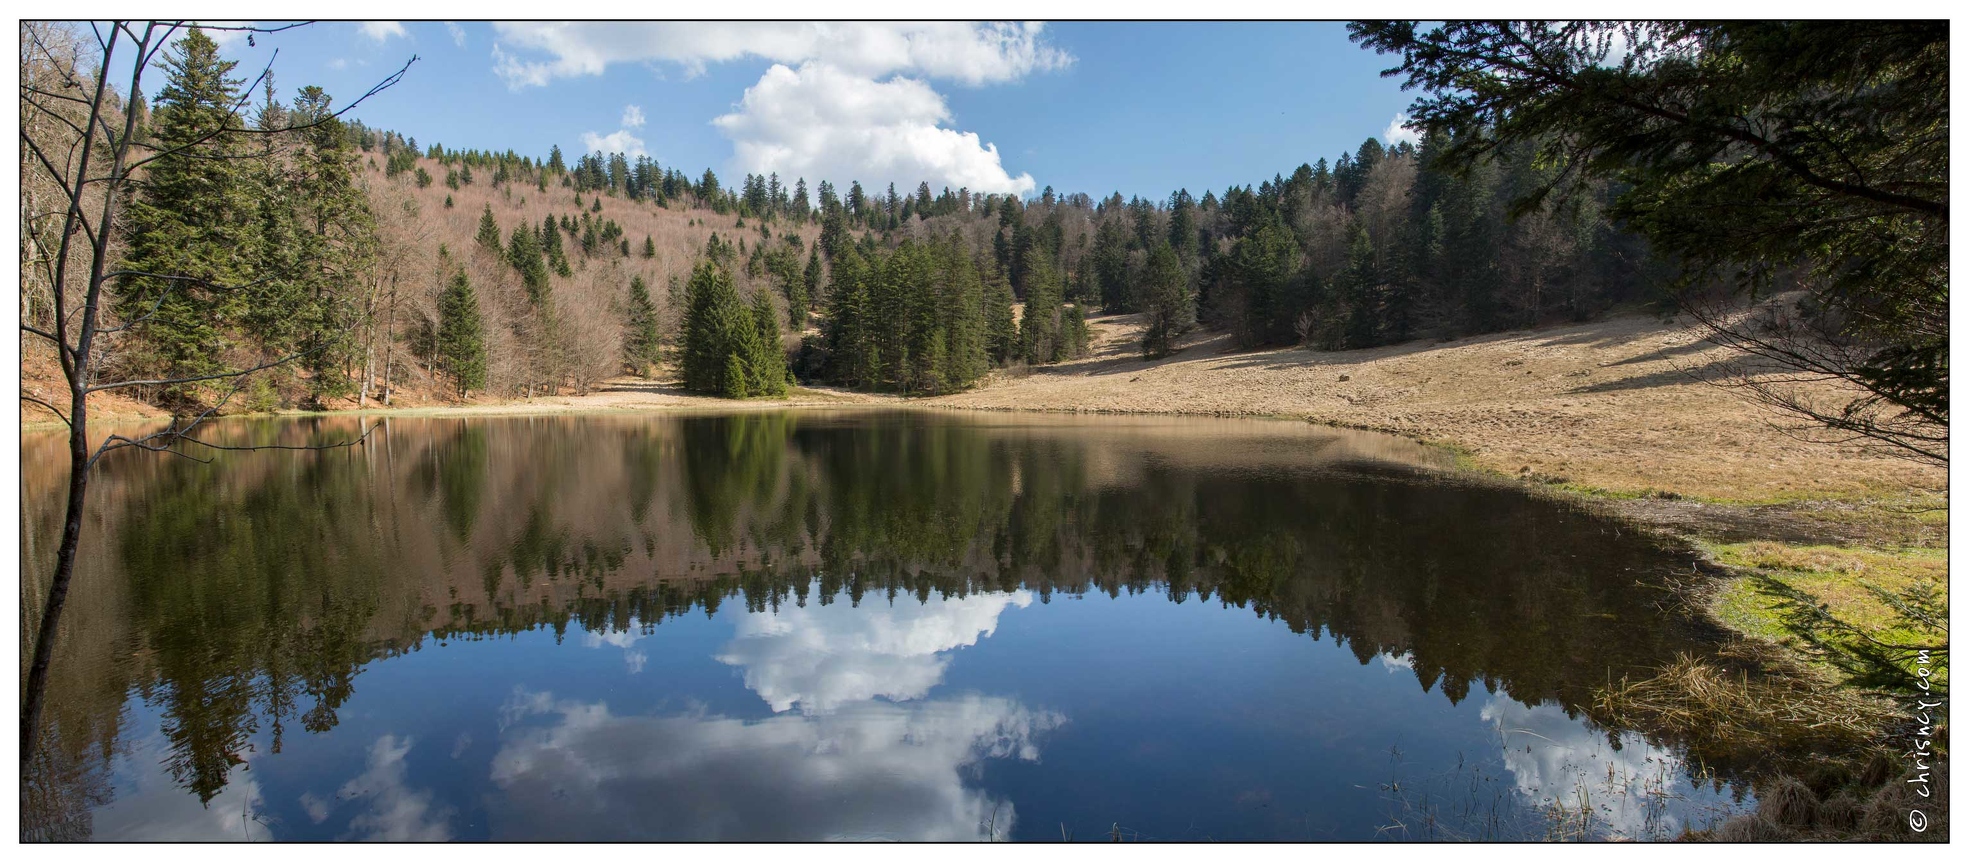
(852, 355)
(894, 292)
(767, 363)
(642, 340)
(963, 357)
(718, 333)
(193, 219)
(1356, 288)
(1001, 331)
(489, 237)
(335, 241)
(1109, 265)
(1170, 306)
(810, 282)
(649, 247)
(735, 380)
(524, 254)
(1261, 306)
(1073, 334)
(1039, 329)
(460, 344)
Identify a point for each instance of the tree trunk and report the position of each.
(368, 375)
(390, 342)
(44, 640)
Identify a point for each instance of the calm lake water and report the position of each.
(843, 625)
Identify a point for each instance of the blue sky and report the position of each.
(1139, 108)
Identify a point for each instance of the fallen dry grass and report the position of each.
(1613, 405)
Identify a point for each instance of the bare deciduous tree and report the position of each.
(84, 155)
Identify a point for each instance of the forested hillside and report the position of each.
(360, 266)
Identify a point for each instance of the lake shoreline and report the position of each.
(1728, 536)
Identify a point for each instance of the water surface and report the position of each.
(843, 625)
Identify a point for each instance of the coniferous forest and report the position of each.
(339, 255)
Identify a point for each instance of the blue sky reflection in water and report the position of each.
(854, 626)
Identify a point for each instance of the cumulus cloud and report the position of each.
(842, 101)
(223, 38)
(395, 812)
(1556, 760)
(457, 32)
(823, 122)
(626, 639)
(823, 657)
(632, 117)
(150, 806)
(967, 52)
(381, 31)
(618, 141)
(875, 770)
(1398, 131)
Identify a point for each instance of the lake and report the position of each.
(898, 625)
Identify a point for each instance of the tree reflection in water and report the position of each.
(249, 594)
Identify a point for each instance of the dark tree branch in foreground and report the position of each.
(99, 173)
(1799, 158)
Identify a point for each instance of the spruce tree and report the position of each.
(1039, 329)
(852, 355)
(718, 333)
(524, 254)
(1169, 305)
(642, 340)
(489, 233)
(460, 344)
(1073, 334)
(335, 241)
(1109, 265)
(767, 362)
(964, 356)
(735, 380)
(1001, 331)
(193, 219)
(796, 293)
(812, 279)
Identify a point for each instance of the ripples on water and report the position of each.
(894, 625)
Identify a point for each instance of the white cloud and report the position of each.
(872, 771)
(822, 657)
(457, 32)
(625, 639)
(1559, 760)
(223, 38)
(150, 806)
(339, 63)
(618, 141)
(970, 53)
(1399, 131)
(843, 101)
(822, 122)
(632, 117)
(396, 813)
(381, 31)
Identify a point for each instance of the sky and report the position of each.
(1097, 107)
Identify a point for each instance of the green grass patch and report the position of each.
(1847, 583)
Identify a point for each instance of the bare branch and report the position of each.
(165, 382)
(51, 408)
